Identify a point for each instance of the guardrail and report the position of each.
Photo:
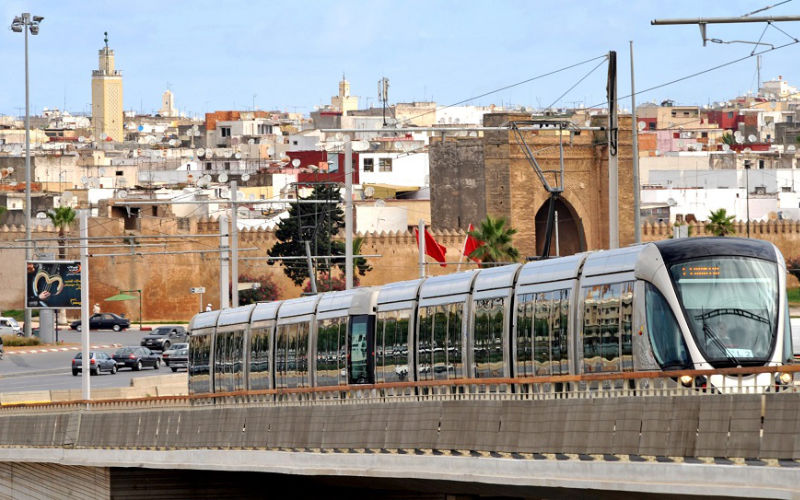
(689, 383)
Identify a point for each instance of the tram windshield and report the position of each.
(731, 306)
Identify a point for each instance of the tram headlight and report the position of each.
(686, 380)
(785, 378)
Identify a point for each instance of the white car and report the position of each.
(9, 326)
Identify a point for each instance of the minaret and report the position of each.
(344, 102)
(167, 104)
(107, 97)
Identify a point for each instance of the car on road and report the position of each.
(98, 362)
(164, 337)
(166, 356)
(9, 326)
(179, 360)
(104, 321)
(135, 358)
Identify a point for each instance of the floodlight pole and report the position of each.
(348, 214)
(85, 322)
(234, 248)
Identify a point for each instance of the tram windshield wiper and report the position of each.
(710, 334)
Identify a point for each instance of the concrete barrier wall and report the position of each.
(656, 426)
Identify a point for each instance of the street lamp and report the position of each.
(25, 23)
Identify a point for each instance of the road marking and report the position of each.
(71, 348)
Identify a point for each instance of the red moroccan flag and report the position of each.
(471, 243)
(432, 248)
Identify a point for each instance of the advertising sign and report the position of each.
(53, 285)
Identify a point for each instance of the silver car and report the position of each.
(169, 353)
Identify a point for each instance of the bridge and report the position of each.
(607, 435)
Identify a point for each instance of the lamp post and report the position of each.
(747, 194)
(25, 23)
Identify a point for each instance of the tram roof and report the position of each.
(400, 291)
(298, 307)
(492, 278)
(545, 271)
(619, 260)
(235, 315)
(266, 311)
(204, 320)
(359, 299)
(448, 284)
(689, 248)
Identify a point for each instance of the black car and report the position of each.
(135, 358)
(98, 362)
(180, 359)
(163, 337)
(104, 321)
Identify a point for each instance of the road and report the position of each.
(33, 371)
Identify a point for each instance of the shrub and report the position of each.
(13, 340)
(793, 266)
(266, 291)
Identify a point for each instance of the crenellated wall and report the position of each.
(166, 279)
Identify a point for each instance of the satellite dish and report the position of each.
(641, 125)
(81, 138)
(360, 145)
(101, 172)
(369, 191)
(10, 170)
(296, 162)
(791, 148)
(251, 141)
(84, 180)
(245, 177)
(671, 202)
(751, 138)
(739, 139)
(208, 152)
(201, 152)
(122, 194)
(726, 147)
(228, 153)
(172, 142)
(140, 127)
(41, 215)
(207, 178)
(746, 150)
(223, 177)
(380, 203)
(238, 156)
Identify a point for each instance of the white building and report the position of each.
(397, 169)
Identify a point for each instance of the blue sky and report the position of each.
(291, 54)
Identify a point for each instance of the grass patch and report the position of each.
(794, 296)
(19, 314)
(13, 340)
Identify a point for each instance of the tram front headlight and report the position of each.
(785, 378)
(686, 380)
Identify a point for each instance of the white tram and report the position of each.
(695, 303)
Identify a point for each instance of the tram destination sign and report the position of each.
(53, 284)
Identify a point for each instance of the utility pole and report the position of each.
(421, 238)
(613, 173)
(234, 247)
(348, 213)
(223, 262)
(85, 324)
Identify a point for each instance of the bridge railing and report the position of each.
(689, 383)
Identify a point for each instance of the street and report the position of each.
(30, 371)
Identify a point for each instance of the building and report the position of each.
(167, 104)
(107, 98)
(344, 102)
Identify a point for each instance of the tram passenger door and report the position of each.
(361, 350)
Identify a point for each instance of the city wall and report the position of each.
(165, 280)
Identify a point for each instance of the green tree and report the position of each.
(495, 240)
(318, 224)
(720, 223)
(727, 138)
(61, 217)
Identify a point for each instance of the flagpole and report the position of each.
(421, 238)
(463, 249)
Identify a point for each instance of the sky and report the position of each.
(290, 55)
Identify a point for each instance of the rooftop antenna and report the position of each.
(106, 39)
(383, 95)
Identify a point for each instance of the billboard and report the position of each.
(53, 285)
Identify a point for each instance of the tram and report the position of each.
(695, 303)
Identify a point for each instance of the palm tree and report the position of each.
(720, 223)
(62, 217)
(495, 240)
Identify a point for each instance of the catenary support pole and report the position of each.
(613, 173)
(223, 262)
(348, 213)
(234, 247)
(421, 237)
(85, 325)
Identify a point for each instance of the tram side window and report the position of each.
(669, 346)
(200, 351)
(331, 352)
(447, 342)
(360, 366)
(291, 357)
(603, 327)
(488, 349)
(259, 358)
(425, 349)
(236, 360)
(541, 343)
(391, 349)
(626, 325)
(524, 366)
(541, 334)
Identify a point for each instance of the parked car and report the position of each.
(135, 358)
(9, 326)
(166, 356)
(98, 362)
(163, 337)
(104, 321)
(180, 359)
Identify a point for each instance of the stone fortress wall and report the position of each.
(166, 279)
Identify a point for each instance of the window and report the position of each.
(228, 366)
(385, 165)
(264, 129)
(361, 364)
(652, 126)
(333, 162)
(488, 349)
(669, 347)
(291, 356)
(607, 327)
(440, 342)
(225, 131)
(332, 352)
(761, 164)
(369, 165)
(119, 173)
(391, 346)
(704, 134)
(208, 165)
(541, 334)
(259, 358)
